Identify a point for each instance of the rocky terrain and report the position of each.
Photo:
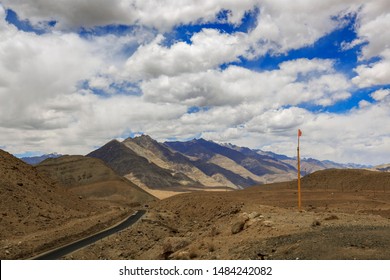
(165, 168)
(138, 169)
(91, 179)
(39, 213)
(345, 215)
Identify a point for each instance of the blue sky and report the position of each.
(76, 74)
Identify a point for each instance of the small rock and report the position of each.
(182, 255)
(262, 255)
(214, 231)
(7, 252)
(176, 243)
(244, 216)
(238, 227)
(250, 223)
(316, 223)
(268, 223)
(253, 215)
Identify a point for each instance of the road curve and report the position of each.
(64, 250)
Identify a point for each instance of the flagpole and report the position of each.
(299, 173)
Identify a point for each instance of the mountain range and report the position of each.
(37, 159)
(184, 166)
(64, 198)
(199, 164)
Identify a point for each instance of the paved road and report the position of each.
(60, 252)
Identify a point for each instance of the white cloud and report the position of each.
(162, 14)
(208, 49)
(73, 13)
(377, 73)
(44, 108)
(284, 25)
(277, 121)
(304, 66)
(366, 142)
(325, 135)
(36, 69)
(381, 94)
(172, 13)
(295, 82)
(374, 29)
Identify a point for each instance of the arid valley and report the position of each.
(345, 212)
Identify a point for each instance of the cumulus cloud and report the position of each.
(208, 49)
(70, 93)
(357, 143)
(43, 103)
(295, 82)
(325, 135)
(36, 69)
(278, 120)
(377, 73)
(373, 27)
(380, 95)
(161, 15)
(73, 13)
(374, 30)
(285, 25)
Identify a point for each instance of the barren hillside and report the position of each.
(138, 169)
(164, 157)
(37, 213)
(263, 222)
(92, 179)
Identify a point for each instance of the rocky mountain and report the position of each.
(138, 169)
(164, 157)
(38, 159)
(382, 167)
(230, 161)
(310, 165)
(199, 164)
(90, 178)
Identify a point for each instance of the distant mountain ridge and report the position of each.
(200, 164)
(382, 167)
(251, 167)
(126, 162)
(38, 159)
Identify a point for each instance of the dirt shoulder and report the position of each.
(238, 225)
(41, 240)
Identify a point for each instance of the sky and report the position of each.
(75, 74)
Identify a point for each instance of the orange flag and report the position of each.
(299, 133)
